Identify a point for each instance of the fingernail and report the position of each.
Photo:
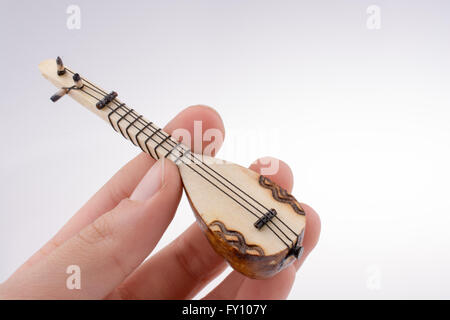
(150, 183)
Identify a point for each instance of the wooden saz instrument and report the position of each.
(256, 225)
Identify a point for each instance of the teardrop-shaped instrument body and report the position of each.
(228, 200)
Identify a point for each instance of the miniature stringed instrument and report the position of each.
(249, 220)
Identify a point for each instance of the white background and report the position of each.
(362, 117)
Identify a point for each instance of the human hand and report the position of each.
(112, 234)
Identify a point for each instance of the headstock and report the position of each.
(73, 84)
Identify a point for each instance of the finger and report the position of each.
(125, 180)
(200, 127)
(110, 248)
(285, 179)
(312, 233)
(237, 286)
(178, 271)
(281, 173)
(186, 265)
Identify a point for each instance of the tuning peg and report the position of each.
(78, 82)
(58, 95)
(60, 67)
(61, 92)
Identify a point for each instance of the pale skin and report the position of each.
(114, 232)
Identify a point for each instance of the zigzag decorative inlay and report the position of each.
(281, 194)
(235, 238)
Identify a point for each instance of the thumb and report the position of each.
(110, 248)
